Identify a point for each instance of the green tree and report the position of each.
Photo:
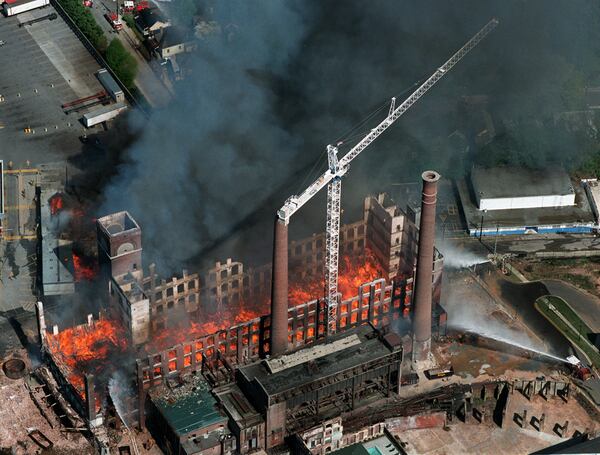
(121, 62)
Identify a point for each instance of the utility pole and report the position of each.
(496, 239)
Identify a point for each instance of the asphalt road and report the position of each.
(147, 81)
(585, 305)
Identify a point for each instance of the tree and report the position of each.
(122, 62)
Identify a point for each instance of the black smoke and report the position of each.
(283, 79)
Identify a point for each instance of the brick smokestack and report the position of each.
(279, 290)
(424, 277)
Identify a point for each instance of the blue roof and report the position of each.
(188, 407)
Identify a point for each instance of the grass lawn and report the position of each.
(579, 336)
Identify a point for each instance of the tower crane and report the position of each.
(332, 177)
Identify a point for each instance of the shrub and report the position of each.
(122, 62)
(85, 21)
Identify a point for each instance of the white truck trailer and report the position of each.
(103, 113)
(20, 6)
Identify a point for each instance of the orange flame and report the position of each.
(224, 319)
(354, 270)
(86, 349)
(56, 204)
(84, 270)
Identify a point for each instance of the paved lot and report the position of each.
(43, 66)
(18, 263)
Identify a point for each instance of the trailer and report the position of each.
(102, 114)
(110, 85)
(14, 7)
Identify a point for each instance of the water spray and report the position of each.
(517, 345)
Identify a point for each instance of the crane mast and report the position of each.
(338, 167)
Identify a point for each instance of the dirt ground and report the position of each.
(583, 273)
(487, 438)
(485, 364)
(19, 415)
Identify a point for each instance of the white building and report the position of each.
(503, 188)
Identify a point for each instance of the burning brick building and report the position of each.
(217, 324)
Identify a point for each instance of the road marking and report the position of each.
(10, 238)
(21, 171)
(20, 206)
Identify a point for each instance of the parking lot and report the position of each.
(43, 66)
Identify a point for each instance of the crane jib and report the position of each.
(337, 168)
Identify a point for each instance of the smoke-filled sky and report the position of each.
(285, 78)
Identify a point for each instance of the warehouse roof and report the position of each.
(187, 407)
(578, 214)
(508, 181)
(317, 366)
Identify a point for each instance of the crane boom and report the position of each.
(337, 168)
(293, 203)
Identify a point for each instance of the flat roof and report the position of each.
(108, 81)
(306, 355)
(237, 405)
(380, 445)
(508, 181)
(57, 279)
(319, 367)
(105, 109)
(578, 214)
(18, 2)
(187, 407)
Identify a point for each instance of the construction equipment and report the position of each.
(338, 167)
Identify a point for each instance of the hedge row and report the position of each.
(85, 21)
(121, 62)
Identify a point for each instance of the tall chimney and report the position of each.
(424, 277)
(279, 290)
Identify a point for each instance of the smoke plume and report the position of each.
(281, 80)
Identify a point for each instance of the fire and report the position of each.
(83, 268)
(86, 349)
(56, 204)
(354, 270)
(207, 325)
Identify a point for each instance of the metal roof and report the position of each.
(369, 348)
(57, 279)
(187, 407)
(108, 81)
(508, 181)
(104, 109)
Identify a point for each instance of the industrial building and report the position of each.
(250, 398)
(296, 391)
(519, 188)
(508, 200)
